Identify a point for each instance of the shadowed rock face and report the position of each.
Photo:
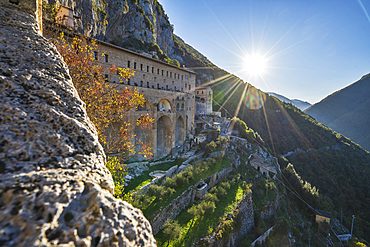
(54, 186)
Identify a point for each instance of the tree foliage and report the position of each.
(106, 103)
(172, 230)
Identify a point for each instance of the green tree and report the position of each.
(195, 211)
(172, 230)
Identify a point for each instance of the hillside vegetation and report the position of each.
(336, 166)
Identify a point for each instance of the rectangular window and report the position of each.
(128, 64)
(134, 65)
(96, 54)
(162, 72)
(141, 66)
(158, 71)
(171, 74)
(158, 86)
(106, 58)
(152, 70)
(147, 84)
(147, 68)
(182, 77)
(167, 73)
(141, 83)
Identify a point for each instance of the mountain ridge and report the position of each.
(302, 105)
(347, 111)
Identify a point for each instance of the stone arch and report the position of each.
(164, 105)
(180, 131)
(164, 136)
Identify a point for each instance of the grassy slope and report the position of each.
(144, 178)
(205, 224)
(150, 210)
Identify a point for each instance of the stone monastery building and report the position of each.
(169, 92)
(172, 99)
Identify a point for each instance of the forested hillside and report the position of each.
(347, 111)
(338, 167)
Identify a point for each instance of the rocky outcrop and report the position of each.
(54, 186)
(117, 20)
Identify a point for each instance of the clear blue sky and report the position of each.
(314, 47)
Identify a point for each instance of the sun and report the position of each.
(255, 65)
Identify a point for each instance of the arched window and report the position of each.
(182, 107)
(177, 106)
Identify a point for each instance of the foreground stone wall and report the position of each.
(54, 186)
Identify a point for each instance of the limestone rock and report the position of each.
(54, 186)
(144, 20)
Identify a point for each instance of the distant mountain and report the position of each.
(302, 105)
(347, 111)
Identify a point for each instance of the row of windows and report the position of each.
(203, 92)
(159, 71)
(162, 72)
(148, 85)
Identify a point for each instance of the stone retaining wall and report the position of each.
(243, 212)
(185, 199)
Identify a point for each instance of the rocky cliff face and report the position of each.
(54, 186)
(117, 20)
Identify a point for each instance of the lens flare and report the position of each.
(254, 98)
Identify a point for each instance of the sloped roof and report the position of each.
(323, 213)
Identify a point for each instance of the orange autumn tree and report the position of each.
(106, 103)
